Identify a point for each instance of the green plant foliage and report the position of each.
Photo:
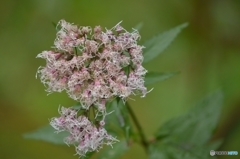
(119, 119)
(56, 26)
(46, 133)
(153, 77)
(111, 120)
(124, 119)
(114, 152)
(77, 106)
(188, 136)
(138, 26)
(179, 152)
(159, 43)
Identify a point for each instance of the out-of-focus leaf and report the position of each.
(216, 144)
(112, 123)
(47, 133)
(138, 26)
(56, 26)
(126, 70)
(161, 151)
(188, 136)
(159, 43)
(124, 119)
(114, 152)
(89, 155)
(118, 122)
(197, 125)
(77, 106)
(153, 77)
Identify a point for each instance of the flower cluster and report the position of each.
(94, 66)
(82, 133)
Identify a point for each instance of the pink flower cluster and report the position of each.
(93, 66)
(83, 134)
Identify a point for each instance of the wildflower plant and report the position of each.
(101, 69)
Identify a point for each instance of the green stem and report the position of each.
(94, 114)
(75, 51)
(138, 126)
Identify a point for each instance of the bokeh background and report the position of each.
(207, 53)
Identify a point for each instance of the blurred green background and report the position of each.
(207, 53)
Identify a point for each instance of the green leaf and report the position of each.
(215, 144)
(118, 122)
(47, 133)
(197, 125)
(77, 106)
(153, 77)
(112, 124)
(188, 135)
(159, 43)
(88, 155)
(126, 70)
(123, 118)
(170, 152)
(138, 26)
(114, 152)
(56, 26)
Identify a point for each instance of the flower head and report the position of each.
(83, 134)
(93, 65)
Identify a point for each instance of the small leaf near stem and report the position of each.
(75, 50)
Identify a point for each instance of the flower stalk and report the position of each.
(144, 141)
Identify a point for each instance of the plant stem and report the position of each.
(138, 126)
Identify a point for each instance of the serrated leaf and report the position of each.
(159, 43)
(153, 77)
(197, 125)
(47, 133)
(188, 135)
(166, 151)
(114, 152)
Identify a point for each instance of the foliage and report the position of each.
(187, 136)
(159, 43)
(46, 133)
